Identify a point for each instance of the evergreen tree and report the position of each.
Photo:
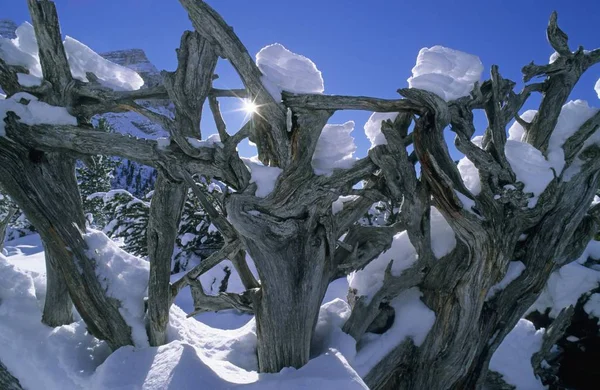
(95, 177)
(127, 219)
(197, 237)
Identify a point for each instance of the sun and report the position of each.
(249, 106)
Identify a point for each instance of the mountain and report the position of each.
(7, 28)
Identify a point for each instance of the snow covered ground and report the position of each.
(212, 351)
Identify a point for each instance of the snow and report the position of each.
(23, 51)
(163, 142)
(572, 115)
(373, 127)
(40, 356)
(564, 287)
(68, 357)
(209, 142)
(370, 279)
(338, 204)
(512, 359)
(26, 253)
(469, 173)
(33, 113)
(413, 320)
(265, 177)
(515, 268)
(597, 88)
(592, 306)
(284, 70)
(186, 238)
(530, 167)
(448, 73)
(124, 277)
(335, 149)
(27, 80)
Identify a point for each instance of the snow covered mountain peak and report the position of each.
(137, 60)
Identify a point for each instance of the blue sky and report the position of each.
(362, 47)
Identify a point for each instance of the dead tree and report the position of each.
(291, 234)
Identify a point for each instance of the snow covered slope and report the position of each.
(197, 355)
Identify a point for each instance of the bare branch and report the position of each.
(224, 301)
(85, 141)
(233, 93)
(53, 58)
(204, 266)
(364, 313)
(272, 139)
(219, 122)
(216, 218)
(557, 37)
(189, 86)
(575, 142)
(337, 102)
(554, 333)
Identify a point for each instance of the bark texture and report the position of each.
(7, 380)
(58, 308)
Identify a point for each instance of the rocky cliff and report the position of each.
(7, 28)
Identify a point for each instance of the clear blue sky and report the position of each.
(362, 47)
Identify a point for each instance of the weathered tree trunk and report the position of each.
(294, 265)
(7, 380)
(294, 281)
(58, 308)
(45, 188)
(165, 213)
(468, 327)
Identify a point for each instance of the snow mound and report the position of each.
(41, 357)
(284, 70)
(469, 173)
(512, 359)
(572, 115)
(34, 112)
(335, 149)
(370, 279)
(530, 167)
(124, 277)
(413, 320)
(373, 127)
(265, 177)
(564, 287)
(448, 73)
(597, 88)
(23, 50)
(82, 59)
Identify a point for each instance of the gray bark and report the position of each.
(7, 380)
(45, 188)
(165, 213)
(58, 308)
